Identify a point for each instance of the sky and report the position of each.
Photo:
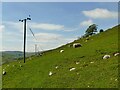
(53, 23)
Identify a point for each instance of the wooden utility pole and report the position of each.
(25, 21)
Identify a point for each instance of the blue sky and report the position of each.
(53, 24)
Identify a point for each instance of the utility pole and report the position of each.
(35, 49)
(25, 21)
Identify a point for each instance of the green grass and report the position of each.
(100, 74)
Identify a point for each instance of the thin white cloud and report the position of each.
(86, 23)
(47, 41)
(13, 26)
(100, 13)
(47, 37)
(47, 26)
(2, 27)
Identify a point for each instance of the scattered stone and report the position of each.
(13, 65)
(115, 79)
(8, 65)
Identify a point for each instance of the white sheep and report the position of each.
(56, 67)
(91, 62)
(61, 51)
(77, 62)
(106, 56)
(71, 69)
(116, 54)
(4, 72)
(50, 73)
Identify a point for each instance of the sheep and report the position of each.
(116, 54)
(91, 62)
(71, 69)
(50, 73)
(75, 45)
(4, 72)
(77, 62)
(56, 67)
(61, 51)
(106, 56)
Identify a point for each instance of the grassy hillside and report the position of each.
(91, 72)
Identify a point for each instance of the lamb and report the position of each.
(106, 56)
(71, 69)
(116, 54)
(50, 73)
(61, 51)
(4, 72)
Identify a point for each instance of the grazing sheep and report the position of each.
(75, 45)
(50, 73)
(91, 62)
(71, 69)
(4, 72)
(56, 67)
(77, 62)
(61, 51)
(116, 54)
(106, 56)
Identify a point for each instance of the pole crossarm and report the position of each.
(25, 22)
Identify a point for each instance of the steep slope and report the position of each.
(92, 71)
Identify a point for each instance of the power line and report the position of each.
(35, 39)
